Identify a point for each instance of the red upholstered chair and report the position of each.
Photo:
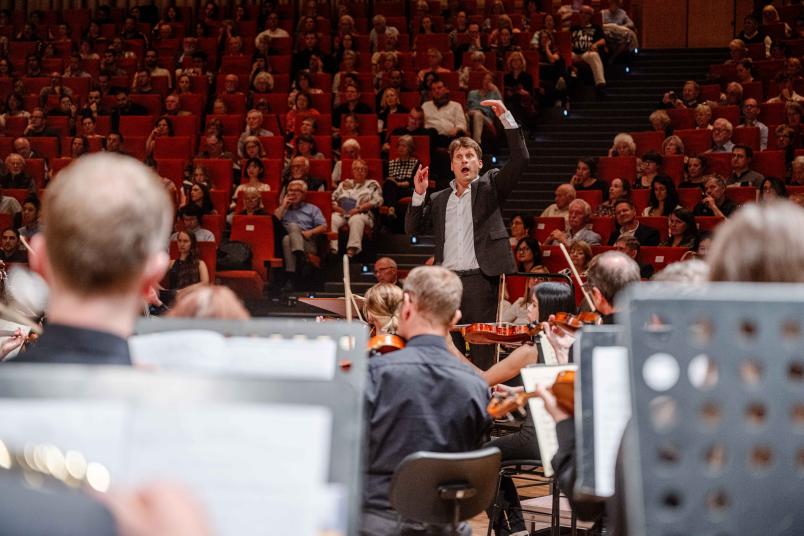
(695, 141)
(708, 223)
(746, 136)
(641, 198)
(689, 197)
(650, 140)
(612, 167)
(220, 171)
(604, 226)
(258, 233)
(772, 113)
(742, 194)
(136, 125)
(770, 163)
(173, 147)
(657, 222)
(732, 113)
(171, 168)
(546, 225)
(682, 118)
(553, 259)
(152, 103)
(659, 257)
(208, 252)
(421, 150)
(46, 146)
(593, 197)
(719, 163)
(673, 166)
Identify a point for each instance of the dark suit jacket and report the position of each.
(489, 192)
(647, 236)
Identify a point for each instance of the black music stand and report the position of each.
(716, 442)
(445, 488)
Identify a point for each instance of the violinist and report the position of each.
(419, 398)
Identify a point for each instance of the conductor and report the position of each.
(466, 219)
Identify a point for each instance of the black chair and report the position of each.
(445, 488)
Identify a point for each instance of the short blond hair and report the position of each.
(382, 306)
(436, 293)
(100, 240)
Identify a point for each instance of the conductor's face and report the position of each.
(465, 165)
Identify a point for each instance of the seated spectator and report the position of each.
(125, 106)
(391, 45)
(142, 85)
(771, 16)
(16, 177)
(695, 168)
(528, 254)
(163, 127)
(88, 126)
(350, 105)
(733, 95)
(504, 44)
(690, 96)
(199, 197)
(518, 84)
(581, 254)
(114, 143)
(579, 227)
(302, 109)
(786, 141)
(231, 85)
(737, 52)
(151, 62)
(786, 92)
(254, 174)
(792, 66)
(187, 271)
(384, 68)
(631, 246)
(272, 30)
(385, 271)
(22, 146)
(190, 215)
(565, 193)
(584, 178)
(252, 203)
(481, 117)
(625, 216)
(745, 72)
(305, 145)
(15, 106)
(10, 246)
(79, 146)
(173, 107)
(682, 229)
(414, 127)
(349, 150)
(444, 115)
(660, 122)
(303, 223)
(347, 67)
(399, 181)
(9, 205)
(352, 203)
(389, 104)
(750, 119)
(31, 208)
(521, 226)
(434, 60)
(184, 85)
(715, 202)
(214, 149)
(379, 28)
(472, 44)
(648, 169)
(619, 29)
(588, 42)
(672, 146)
(792, 113)
(300, 171)
(663, 197)
(623, 145)
(254, 119)
(37, 125)
(263, 82)
(721, 136)
(742, 156)
(55, 88)
(618, 189)
(772, 188)
(477, 61)
(74, 67)
(751, 33)
(703, 117)
(552, 68)
(797, 176)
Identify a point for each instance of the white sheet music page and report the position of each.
(237, 459)
(612, 402)
(542, 421)
(208, 351)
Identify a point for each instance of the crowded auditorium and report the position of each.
(401, 267)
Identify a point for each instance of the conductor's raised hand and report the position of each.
(421, 180)
(496, 105)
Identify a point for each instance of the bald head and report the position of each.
(385, 270)
(564, 195)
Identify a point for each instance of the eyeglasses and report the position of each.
(523, 250)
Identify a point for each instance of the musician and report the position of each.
(420, 397)
(466, 219)
(381, 308)
(98, 280)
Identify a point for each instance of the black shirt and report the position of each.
(726, 208)
(419, 398)
(76, 346)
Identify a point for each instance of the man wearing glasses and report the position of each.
(303, 223)
(751, 114)
(721, 136)
(385, 271)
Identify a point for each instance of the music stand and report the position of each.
(591, 337)
(717, 381)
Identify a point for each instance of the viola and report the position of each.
(487, 333)
(563, 389)
(383, 344)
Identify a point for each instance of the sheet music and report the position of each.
(235, 458)
(612, 402)
(542, 421)
(208, 351)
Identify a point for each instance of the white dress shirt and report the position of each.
(459, 232)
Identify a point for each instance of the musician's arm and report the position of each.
(509, 367)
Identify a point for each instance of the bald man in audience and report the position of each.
(565, 194)
(98, 280)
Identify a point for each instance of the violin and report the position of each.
(563, 389)
(485, 333)
(383, 344)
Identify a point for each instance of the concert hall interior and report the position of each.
(401, 267)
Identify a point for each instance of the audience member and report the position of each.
(663, 198)
(191, 220)
(715, 202)
(352, 203)
(742, 156)
(10, 247)
(303, 222)
(521, 226)
(682, 229)
(750, 119)
(16, 177)
(695, 168)
(772, 188)
(721, 136)
(628, 226)
(588, 42)
(442, 114)
(584, 178)
(579, 227)
(385, 271)
(618, 189)
(187, 271)
(565, 193)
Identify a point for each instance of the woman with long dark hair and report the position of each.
(663, 197)
(188, 270)
(682, 229)
(528, 254)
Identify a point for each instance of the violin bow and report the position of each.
(27, 245)
(577, 277)
(347, 288)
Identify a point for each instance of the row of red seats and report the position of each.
(604, 225)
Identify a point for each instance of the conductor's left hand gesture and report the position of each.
(497, 105)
